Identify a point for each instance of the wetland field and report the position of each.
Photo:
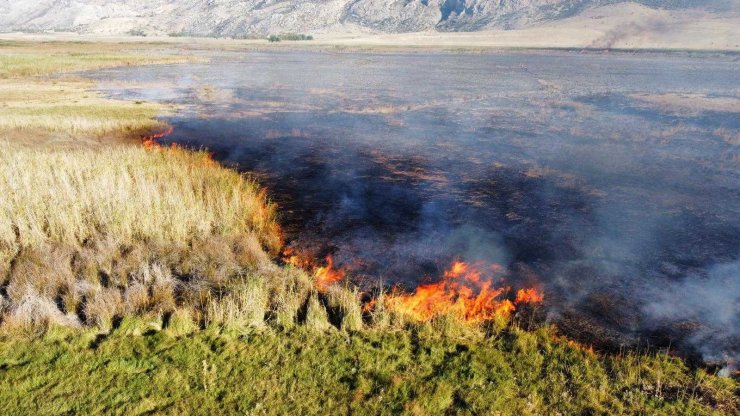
(244, 228)
(609, 181)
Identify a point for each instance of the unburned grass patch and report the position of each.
(38, 102)
(101, 234)
(138, 368)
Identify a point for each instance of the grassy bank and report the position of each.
(21, 59)
(301, 371)
(87, 236)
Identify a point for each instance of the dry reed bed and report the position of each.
(88, 236)
(41, 97)
(69, 107)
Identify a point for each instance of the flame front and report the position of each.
(466, 290)
(152, 141)
(327, 275)
(530, 295)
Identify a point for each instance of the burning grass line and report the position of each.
(466, 291)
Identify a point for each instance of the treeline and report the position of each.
(289, 37)
(243, 36)
(240, 36)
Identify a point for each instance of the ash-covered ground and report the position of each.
(611, 181)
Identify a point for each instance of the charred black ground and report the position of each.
(611, 181)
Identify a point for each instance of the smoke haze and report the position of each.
(608, 181)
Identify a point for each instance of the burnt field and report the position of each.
(608, 182)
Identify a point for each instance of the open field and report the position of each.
(143, 281)
(43, 102)
(415, 372)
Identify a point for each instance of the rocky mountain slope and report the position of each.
(259, 17)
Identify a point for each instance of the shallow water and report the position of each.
(611, 180)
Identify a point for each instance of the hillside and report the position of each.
(259, 17)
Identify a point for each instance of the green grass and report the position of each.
(375, 372)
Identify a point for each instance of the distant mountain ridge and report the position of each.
(259, 17)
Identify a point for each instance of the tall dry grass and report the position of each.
(90, 235)
(127, 193)
(100, 233)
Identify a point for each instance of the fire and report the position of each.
(292, 257)
(530, 295)
(151, 141)
(327, 275)
(324, 276)
(466, 290)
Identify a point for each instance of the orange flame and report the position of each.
(324, 276)
(530, 295)
(151, 141)
(290, 256)
(463, 290)
(327, 275)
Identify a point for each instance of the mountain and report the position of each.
(260, 17)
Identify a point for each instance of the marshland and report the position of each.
(379, 231)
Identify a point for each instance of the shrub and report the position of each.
(289, 37)
(181, 323)
(34, 314)
(136, 32)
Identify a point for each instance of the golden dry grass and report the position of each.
(41, 97)
(104, 233)
(90, 234)
(23, 59)
(69, 107)
(126, 192)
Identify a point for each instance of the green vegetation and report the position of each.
(242, 36)
(139, 369)
(136, 32)
(289, 37)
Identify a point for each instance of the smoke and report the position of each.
(708, 304)
(399, 164)
(624, 31)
